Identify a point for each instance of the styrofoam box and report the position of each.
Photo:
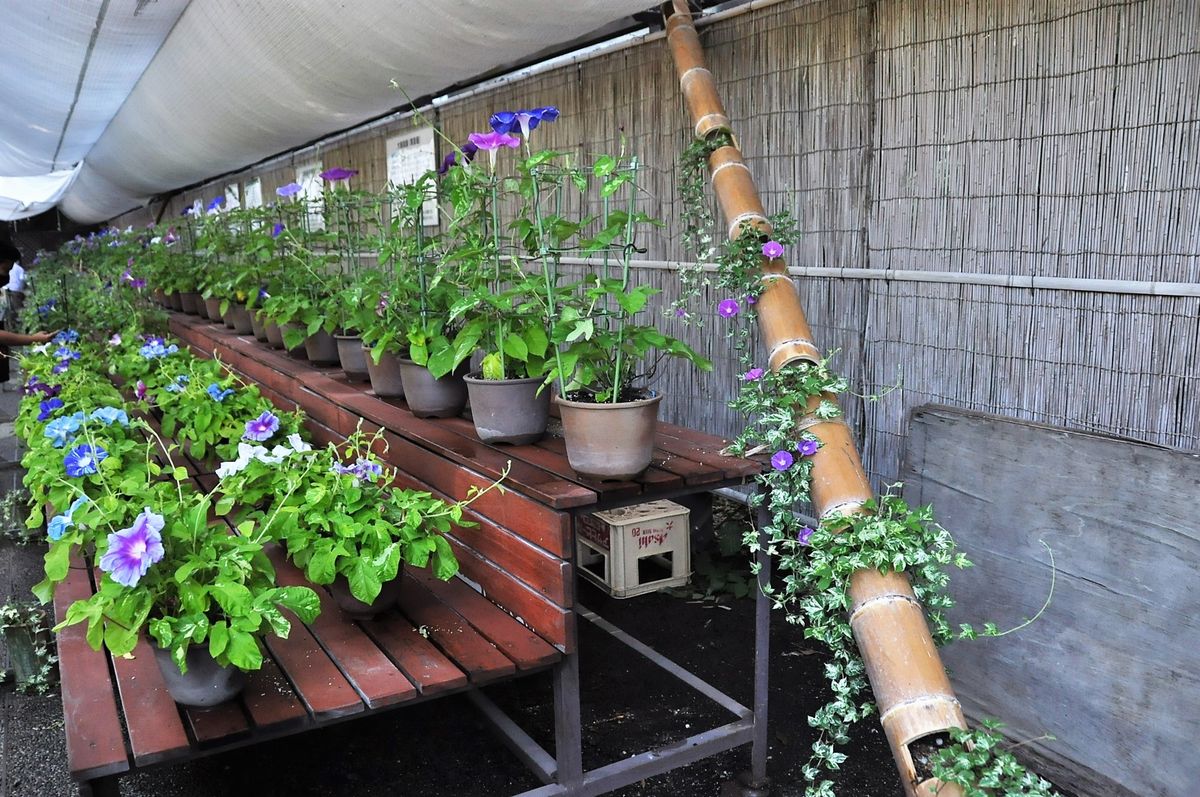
(636, 549)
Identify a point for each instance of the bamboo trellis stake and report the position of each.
(911, 689)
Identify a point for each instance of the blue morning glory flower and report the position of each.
(156, 347)
(217, 394)
(110, 415)
(84, 460)
(62, 430)
(59, 524)
(66, 336)
(48, 407)
(179, 383)
(507, 121)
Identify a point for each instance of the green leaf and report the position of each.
(218, 638)
(514, 346)
(58, 561)
(243, 651)
(365, 583)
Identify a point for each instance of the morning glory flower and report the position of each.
(262, 427)
(753, 375)
(728, 308)
(66, 336)
(47, 408)
(805, 535)
(59, 524)
(215, 204)
(782, 460)
(382, 305)
(808, 447)
(61, 367)
(291, 189)
(64, 353)
(772, 250)
(84, 460)
(170, 237)
(298, 445)
(363, 469)
(179, 383)
(139, 390)
(217, 394)
(62, 430)
(507, 121)
(277, 229)
(110, 415)
(115, 340)
(469, 150)
(155, 348)
(131, 551)
(490, 142)
(337, 174)
(44, 309)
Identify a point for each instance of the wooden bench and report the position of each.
(513, 613)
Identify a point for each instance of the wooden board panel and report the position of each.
(321, 685)
(95, 742)
(1112, 668)
(156, 732)
(217, 725)
(416, 656)
(270, 700)
(542, 572)
(474, 654)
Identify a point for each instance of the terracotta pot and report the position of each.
(205, 683)
(388, 595)
(321, 348)
(385, 376)
(212, 307)
(609, 441)
(240, 316)
(350, 354)
(508, 410)
(189, 302)
(274, 334)
(432, 398)
(175, 301)
(258, 325)
(299, 352)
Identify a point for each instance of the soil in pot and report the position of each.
(350, 354)
(432, 398)
(189, 302)
(205, 683)
(508, 410)
(213, 308)
(240, 317)
(384, 375)
(321, 348)
(609, 441)
(257, 325)
(386, 599)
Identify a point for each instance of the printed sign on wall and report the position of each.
(409, 155)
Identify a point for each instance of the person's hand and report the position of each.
(42, 337)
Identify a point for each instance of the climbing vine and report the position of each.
(813, 566)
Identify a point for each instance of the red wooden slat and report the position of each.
(540, 571)
(524, 647)
(424, 664)
(325, 691)
(371, 672)
(704, 448)
(270, 700)
(217, 725)
(95, 743)
(155, 731)
(474, 654)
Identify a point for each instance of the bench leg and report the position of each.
(100, 787)
(568, 734)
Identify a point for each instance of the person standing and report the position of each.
(10, 262)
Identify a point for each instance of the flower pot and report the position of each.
(508, 410)
(432, 398)
(189, 302)
(226, 317)
(257, 325)
(274, 334)
(386, 599)
(240, 316)
(350, 353)
(609, 441)
(202, 309)
(175, 301)
(213, 307)
(385, 377)
(321, 348)
(298, 352)
(205, 683)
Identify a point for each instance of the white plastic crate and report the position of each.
(635, 549)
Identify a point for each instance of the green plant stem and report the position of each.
(625, 258)
(543, 255)
(494, 212)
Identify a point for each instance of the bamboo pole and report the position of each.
(911, 689)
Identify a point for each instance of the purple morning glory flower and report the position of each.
(728, 308)
(291, 189)
(48, 407)
(469, 151)
(139, 390)
(363, 469)
(750, 299)
(115, 340)
(131, 551)
(525, 121)
(84, 460)
(217, 394)
(782, 460)
(262, 427)
(490, 142)
(337, 174)
(62, 366)
(277, 229)
(753, 375)
(805, 535)
(680, 312)
(137, 284)
(262, 293)
(808, 447)
(215, 204)
(382, 306)
(772, 250)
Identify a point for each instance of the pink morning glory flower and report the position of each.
(805, 535)
(753, 375)
(490, 142)
(782, 460)
(728, 308)
(131, 551)
(772, 249)
(262, 427)
(808, 447)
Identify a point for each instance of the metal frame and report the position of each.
(563, 773)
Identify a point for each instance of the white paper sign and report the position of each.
(409, 155)
(253, 198)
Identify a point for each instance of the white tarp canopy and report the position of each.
(22, 197)
(153, 95)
